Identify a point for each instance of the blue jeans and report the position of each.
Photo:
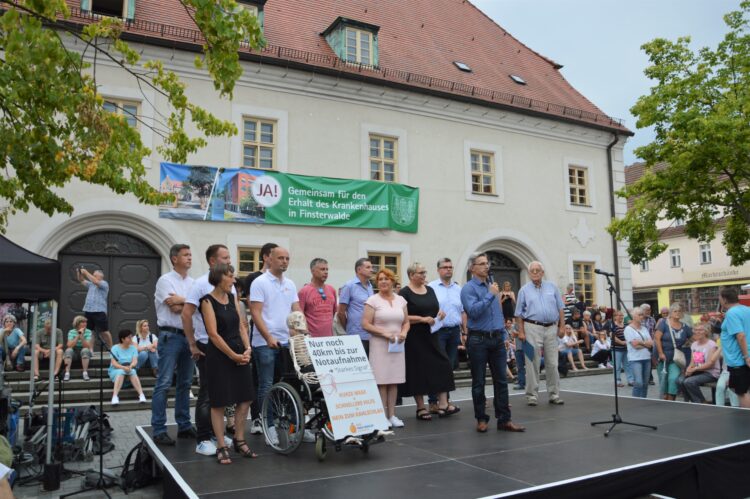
(640, 369)
(722, 392)
(621, 362)
(20, 358)
(266, 360)
(151, 357)
(521, 367)
(174, 360)
(484, 350)
(448, 339)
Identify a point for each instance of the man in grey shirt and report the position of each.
(95, 306)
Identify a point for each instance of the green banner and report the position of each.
(258, 196)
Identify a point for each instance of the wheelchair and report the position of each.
(297, 403)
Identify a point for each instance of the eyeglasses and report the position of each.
(424, 272)
(482, 264)
(322, 293)
(536, 271)
(446, 267)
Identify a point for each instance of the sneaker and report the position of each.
(206, 448)
(115, 400)
(396, 422)
(67, 376)
(141, 399)
(600, 366)
(190, 394)
(86, 376)
(531, 402)
(163, 439)
(20, 368)
(227, 441)
(271, 437)
(556, 401)
(308, 437)
(609, 365)
(255, 427)
(519, 387)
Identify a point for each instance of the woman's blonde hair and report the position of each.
(77, 321)
(138, 326)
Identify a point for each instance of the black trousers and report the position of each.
(203, 405)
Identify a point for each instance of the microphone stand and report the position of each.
(101, 483)
(616, 418)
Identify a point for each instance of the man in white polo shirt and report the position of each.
(174, 352)
(197, 337)
(272, 298)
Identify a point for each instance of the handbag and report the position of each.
(678, 357)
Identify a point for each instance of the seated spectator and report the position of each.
(599, 322)
(562, 361)
(602, 350)
(572, 347)
(146, 344)
(704, 365)
(78, 346)
(588, 323)
(43, 349)
(579, 328)
(123, 362)
(15, 341)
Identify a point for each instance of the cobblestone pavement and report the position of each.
(124, 438)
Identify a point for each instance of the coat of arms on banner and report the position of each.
(403, 210)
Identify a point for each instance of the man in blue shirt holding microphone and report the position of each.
(486, 344)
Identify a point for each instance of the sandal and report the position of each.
(423, 414)
(222, 455)
(449, 410)
(238, 447)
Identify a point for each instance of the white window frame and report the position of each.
(675, 257)
(644, 265)
(703, 251)
(591, 184)
(145, 118)
(580, 257)
(402, 168)
(237, 241)
(239, 113)
(358, 46)
(365, 247)
(496, 150)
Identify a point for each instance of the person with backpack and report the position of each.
(146, 344)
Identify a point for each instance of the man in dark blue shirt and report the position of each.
(486, 344)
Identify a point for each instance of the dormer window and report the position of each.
(518, 79)
(124, 9)
(255, 7)
(353, 41)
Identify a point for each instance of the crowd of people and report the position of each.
(235, 332)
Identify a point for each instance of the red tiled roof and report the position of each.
(418, 41)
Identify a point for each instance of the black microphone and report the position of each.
(603, 272)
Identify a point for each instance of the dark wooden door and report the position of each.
(130, 266)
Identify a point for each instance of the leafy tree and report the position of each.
(700, 109)
(53, 127)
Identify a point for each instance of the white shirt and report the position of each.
(201, 287)
(277, 297)
(171, 282)
(642, 335)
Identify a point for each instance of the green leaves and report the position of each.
(699, 161)
(53, 126)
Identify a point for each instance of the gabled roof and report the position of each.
(418, 42)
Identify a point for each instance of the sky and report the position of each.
(598, 43)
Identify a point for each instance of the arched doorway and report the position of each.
(130, 266)
(502, 268)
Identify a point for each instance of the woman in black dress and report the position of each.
(428, 369)
(227, 361)
(508, 301)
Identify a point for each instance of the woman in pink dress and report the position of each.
(386, 320)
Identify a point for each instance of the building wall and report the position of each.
(323, 125)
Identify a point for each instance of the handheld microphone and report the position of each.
(603, 272)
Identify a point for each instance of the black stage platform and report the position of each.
(697, 451)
